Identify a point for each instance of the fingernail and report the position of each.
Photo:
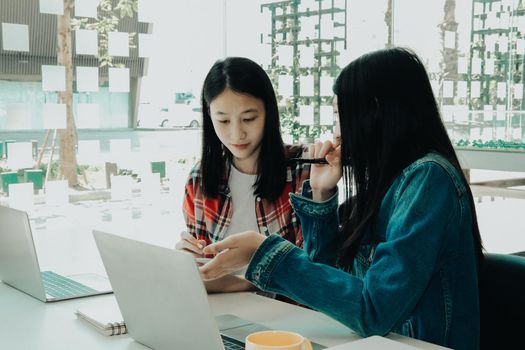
(200, 246)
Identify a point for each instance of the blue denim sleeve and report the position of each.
(425, 208)
(319, 224)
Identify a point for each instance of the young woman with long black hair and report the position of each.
(244, 177)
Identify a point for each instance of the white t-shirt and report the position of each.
(243, 202)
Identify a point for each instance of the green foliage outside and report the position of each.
(55, 171)
(289, 106)
(107, 21)
(492, 144)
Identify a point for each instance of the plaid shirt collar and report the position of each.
(209, 218)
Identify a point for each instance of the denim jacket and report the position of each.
(417, 277)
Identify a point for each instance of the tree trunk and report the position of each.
(389, 24)
(68, 158)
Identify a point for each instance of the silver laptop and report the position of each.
(19, 266)
(163, 300)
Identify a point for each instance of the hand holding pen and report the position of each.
(325, 174)
(191, 244)
(308, 161)
(335, 145)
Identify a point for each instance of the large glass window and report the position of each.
(136, 83)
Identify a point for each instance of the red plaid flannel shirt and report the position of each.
(209, 218)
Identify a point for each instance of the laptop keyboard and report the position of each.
(62, 287)
(231, 344)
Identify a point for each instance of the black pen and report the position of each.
(308, 160)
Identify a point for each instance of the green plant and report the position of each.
(81, 169)
(124, 172)
(54, 172)
(128, 172)
(491, 144)
(107, 21)
(288, 107)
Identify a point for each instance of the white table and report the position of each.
(501, 160)
(29, 324)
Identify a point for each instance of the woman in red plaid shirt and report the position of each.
(244, 178)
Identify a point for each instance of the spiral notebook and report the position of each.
(106, 318)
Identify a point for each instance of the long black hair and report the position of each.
(389, 118)
(245, 77)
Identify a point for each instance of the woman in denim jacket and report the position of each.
(402, 254)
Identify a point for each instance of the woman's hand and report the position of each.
(324, 177)
(191, 244)
(231, 254)
(229, 284)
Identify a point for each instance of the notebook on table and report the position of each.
(162, 298)
(106, 318)
(20, 269)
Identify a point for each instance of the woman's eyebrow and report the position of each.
(250, 110)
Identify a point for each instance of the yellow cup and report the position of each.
(272, 340)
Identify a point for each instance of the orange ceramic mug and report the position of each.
(273, 340)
